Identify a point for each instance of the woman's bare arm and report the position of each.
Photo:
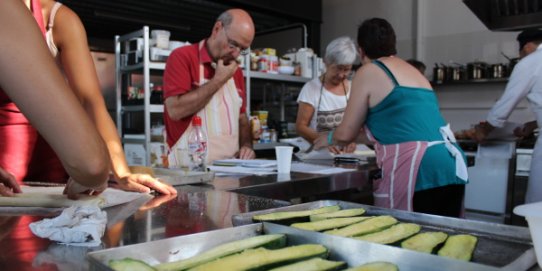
(29, 76)
(70, 37)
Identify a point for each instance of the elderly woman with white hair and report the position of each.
(322, 101)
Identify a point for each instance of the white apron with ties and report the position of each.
(220, 121)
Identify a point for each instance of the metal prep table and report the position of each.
(300, 185)
(193, 210)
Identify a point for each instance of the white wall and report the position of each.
(443, 31)
(342, 17)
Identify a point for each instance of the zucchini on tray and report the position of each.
(264, 252)
(382, 229)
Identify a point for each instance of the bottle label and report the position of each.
(197, 147)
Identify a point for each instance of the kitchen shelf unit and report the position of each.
(122, 77)
(283, 79)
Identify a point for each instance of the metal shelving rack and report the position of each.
(147, 108)
(283, 78)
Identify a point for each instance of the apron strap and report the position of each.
(448, 140)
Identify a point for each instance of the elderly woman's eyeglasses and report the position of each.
(234, 45)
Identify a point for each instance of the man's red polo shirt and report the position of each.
(182, 75)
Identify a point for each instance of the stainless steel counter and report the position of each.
(294, 185)
(194, 209)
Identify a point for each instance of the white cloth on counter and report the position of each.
(76, 225)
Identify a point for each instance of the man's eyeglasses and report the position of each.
(234, 45)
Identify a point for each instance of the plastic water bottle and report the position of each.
(197, 145)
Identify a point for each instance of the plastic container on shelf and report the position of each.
(286, 69)
(161, 37)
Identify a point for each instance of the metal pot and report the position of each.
(497, 71)
(439, 73)
(476, 70)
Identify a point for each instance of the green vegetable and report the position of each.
(314, 264)
(337, 214)
(391, 235)
(375, 266)
(295, 215)
(366, 226)
(261, 258)
(328, 224)
(460, 247)
(128, 264)
(271, 241)
(425, 242)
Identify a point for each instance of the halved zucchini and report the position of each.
(328, 224)
(459, 247)
(289, 217)
(375, 266)
(261, 258)
(337, 214)
(391, 235)
(270, 241)
(129, 264)
(425, 241)
(366, 226)
(314, 264)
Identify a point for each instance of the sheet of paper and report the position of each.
(318, 169)
(242, 170)
(254, 163)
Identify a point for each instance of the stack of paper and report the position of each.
(250, 167)
(318, 169)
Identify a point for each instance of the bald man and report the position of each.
(204, 79)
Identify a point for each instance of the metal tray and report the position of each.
(179, 177)
(502, 246)
(351, 251)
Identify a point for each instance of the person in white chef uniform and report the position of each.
(525, 82)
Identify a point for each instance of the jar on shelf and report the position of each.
(263, 63)
(157, 94)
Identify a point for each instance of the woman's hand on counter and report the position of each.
(8, 184)
(335, 149)
(144, 183)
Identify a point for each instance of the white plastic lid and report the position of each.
(529, 210)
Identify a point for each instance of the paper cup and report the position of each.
(284, 158)
(533, 214)
(283, 177)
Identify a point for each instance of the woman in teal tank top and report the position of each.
(393, 107)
